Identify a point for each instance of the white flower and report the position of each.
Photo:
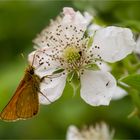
(99, 132)
(63, 49)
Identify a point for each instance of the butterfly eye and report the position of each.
(32, 71)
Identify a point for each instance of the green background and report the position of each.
(20, 21)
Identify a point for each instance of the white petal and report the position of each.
(97, 87)
(92, 29)
(73, 133)
(137, 50)
(73, 26)
(88, 17)
(115, 43)
(42, 61)
(74, 17)
(52, 90)
(119, 93)
(42, 39)
(68, 11)
(103, 66)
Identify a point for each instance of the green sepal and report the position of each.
(90, 42)
(92, 67)
(58, 71)
(74, 80)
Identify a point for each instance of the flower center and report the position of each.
(71, 54)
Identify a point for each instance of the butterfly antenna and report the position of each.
(33, 59)
(23, 57)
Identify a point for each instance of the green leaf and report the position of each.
(133, 81)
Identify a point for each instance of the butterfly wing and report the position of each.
(24, 104)
(27, 104)
(9, 112)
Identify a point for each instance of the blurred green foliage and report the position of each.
(20, 21)
(114, 12)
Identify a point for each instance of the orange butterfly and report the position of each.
(24, 103)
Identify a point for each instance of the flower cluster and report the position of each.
(99, 132)
(65, 51)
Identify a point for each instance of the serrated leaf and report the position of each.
(133, 81)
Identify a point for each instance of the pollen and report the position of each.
(71, 54)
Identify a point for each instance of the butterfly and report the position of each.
(25, 102)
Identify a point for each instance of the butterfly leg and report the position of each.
(45, 96)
